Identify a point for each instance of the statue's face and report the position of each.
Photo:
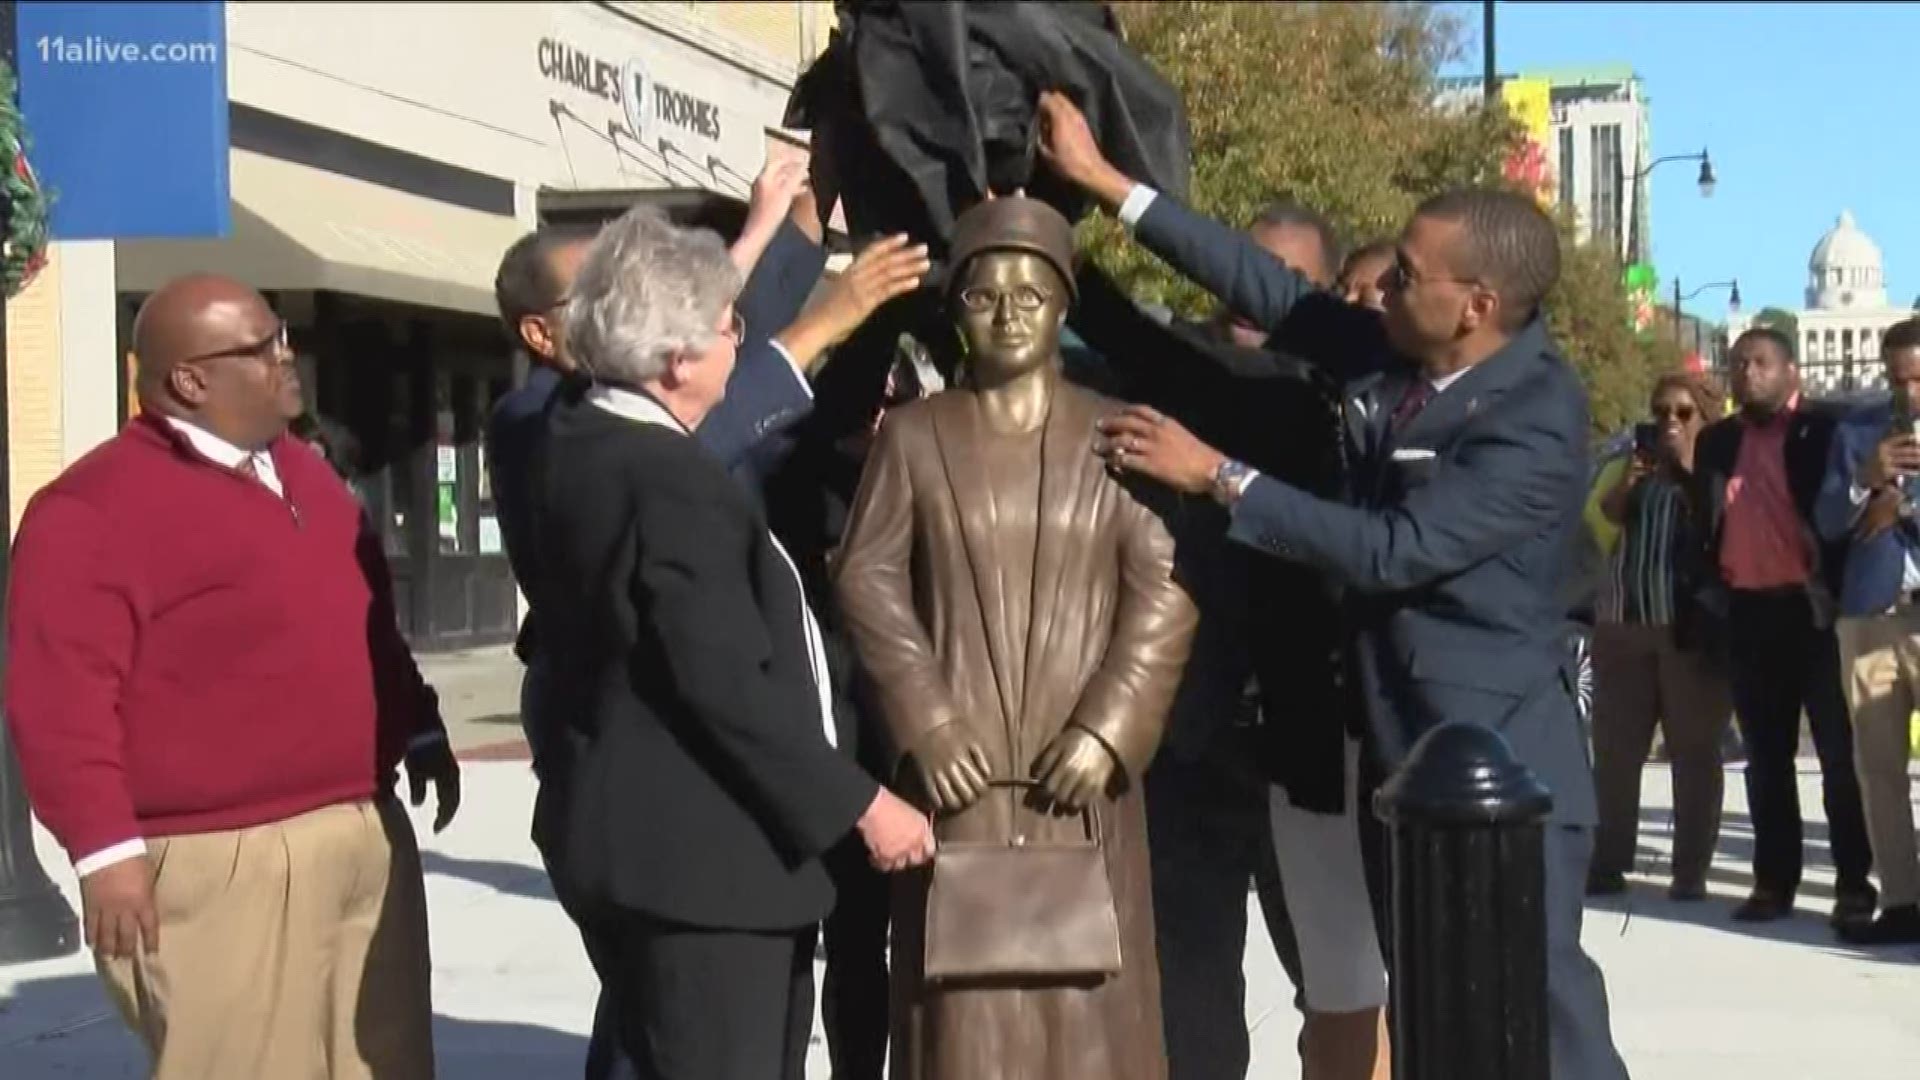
(1010, 306)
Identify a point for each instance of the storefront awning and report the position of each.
(296, 227)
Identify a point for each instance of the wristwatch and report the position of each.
(1230, 480)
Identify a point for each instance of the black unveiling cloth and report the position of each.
(928, 105)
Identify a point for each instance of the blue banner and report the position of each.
(126, 113)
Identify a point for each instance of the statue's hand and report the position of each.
(1075, 768)
(953, 767)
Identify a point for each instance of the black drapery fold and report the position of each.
(926, 106)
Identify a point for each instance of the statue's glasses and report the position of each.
(981, 299)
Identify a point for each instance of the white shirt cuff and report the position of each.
(105, 857)
(1858, 494)
(1136, 204)
(425, 739)
(798, 372)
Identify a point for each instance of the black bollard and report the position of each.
(1469, 922)
(35, 921)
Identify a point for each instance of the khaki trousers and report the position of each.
(1640, 679)
(290, 951)
(1880, 669)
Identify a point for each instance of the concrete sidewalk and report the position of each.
(1694, 995)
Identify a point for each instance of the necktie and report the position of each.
(247, 468)
(1419, 392)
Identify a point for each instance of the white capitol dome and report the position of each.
(1845, 269)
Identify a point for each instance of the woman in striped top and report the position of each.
(1647, 671)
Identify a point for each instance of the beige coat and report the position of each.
(1095, 634)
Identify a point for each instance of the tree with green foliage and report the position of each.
(1335, 106)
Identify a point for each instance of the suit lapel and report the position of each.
(957, 429)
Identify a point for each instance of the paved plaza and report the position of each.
(1695, 996)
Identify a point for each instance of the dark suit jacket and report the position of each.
(1715, 456)
(765, 399)
(693, 781)
(751, 429)
(1874, 573)
(1260, 617)
(1454, 550)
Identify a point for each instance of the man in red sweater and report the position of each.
(210, 697)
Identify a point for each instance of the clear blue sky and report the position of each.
(1806, 109)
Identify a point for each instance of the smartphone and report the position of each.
(1646, 439)
(1903, 418)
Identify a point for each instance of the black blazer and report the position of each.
(1455, 537)
(1809, 436)
(693, 781)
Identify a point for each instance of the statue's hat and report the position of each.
(1013, 223)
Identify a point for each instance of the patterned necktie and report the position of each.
(1419, 392)
(248, 468)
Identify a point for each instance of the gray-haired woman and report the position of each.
(696, 782)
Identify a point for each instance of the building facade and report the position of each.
(383, 157)
(1598, 138)
(1846, 313)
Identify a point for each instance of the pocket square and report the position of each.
(1412, 453)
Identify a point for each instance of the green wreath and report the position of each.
(23, 250)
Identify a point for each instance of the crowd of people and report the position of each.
(1379, 468)
(1758, 569)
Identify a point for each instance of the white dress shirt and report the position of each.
(643, 409)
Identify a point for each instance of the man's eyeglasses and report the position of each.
(275, 346)
(1024, 297)
(1401, 276)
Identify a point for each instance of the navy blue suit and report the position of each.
(1452, 557)
(1874, 572)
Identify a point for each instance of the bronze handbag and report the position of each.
(1019, 909)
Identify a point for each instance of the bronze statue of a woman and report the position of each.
(1015, 605)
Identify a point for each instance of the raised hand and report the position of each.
(886, 269)
(774, 191)
(1068, 146)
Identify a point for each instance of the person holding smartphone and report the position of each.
(1653, 652)
(1867, 502)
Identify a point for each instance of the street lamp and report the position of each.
(1708, 181)
(1733, 303)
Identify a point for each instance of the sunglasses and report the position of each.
(272, 347)
(1682, 413)
(1401, 276)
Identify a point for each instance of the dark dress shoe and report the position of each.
(1854, 907)
(1763, 907)
(1895, 926)
(1687, 892)
(1600, 883)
